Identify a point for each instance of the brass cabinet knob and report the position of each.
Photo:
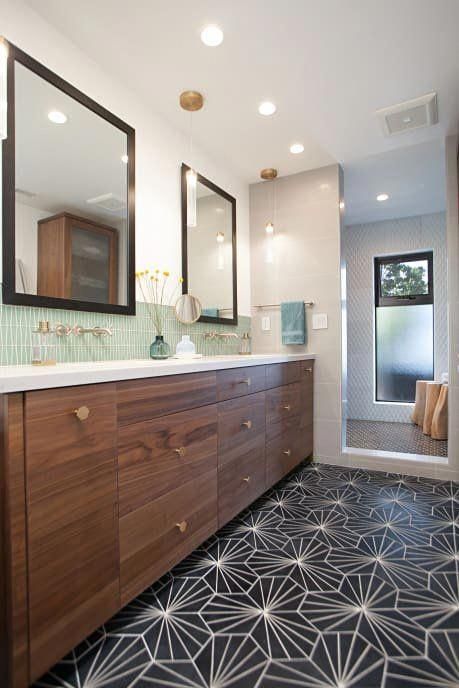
(246, 424)
(247, 382)
(287, 452)
(246, 479)
(180, 451)
(182, 526)
(287, 407)
(82, 413)
(308, 370)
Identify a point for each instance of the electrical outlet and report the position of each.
(266, 323)
(319, 321)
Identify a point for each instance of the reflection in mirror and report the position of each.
(210, 268)
(188, 309)
(70, 218)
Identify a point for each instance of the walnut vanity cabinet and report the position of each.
(106, 487)
(72, 517)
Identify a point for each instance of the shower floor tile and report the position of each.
(395, 437)
(335, 577)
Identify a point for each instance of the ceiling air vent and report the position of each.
(413, 114)
(108, 201)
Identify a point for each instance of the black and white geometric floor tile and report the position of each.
(336, 578)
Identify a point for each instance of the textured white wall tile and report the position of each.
(361, 243)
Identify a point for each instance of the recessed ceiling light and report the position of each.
(212, 35)
(324, 187)
(382, 197)
(341, 205)
(57, 117)
(125, 159)
(296, 148)
(266, 108)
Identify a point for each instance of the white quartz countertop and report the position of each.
(28, 377)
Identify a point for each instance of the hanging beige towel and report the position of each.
(432, 394)
(420, 403)
(439, 429)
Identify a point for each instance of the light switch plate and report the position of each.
(319, 321)
(266, 323)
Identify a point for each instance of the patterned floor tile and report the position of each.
(336, 578)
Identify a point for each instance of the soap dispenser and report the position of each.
(43, 346)
(245, 348)
(185, 348)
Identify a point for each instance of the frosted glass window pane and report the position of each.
(404, 350)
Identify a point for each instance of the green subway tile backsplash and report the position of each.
(132, 335)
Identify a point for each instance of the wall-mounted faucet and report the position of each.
(222, 335)
(96, 331)
(78, 330)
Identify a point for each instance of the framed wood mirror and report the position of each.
(68, 196)
(209, 260)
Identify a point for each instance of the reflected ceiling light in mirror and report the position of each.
(125, 159)
(220, 254)
(212, 36)
(57, 117)
(191, 101)
(296, 148)
(382, 197)
(267, 108)
(341, 205)
(3, 90)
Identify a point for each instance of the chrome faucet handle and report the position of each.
(62, 330)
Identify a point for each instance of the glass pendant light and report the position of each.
(270, 174)
(191, 101)
(191, 204)
(220, 251)
(3, 90)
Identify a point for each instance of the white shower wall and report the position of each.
(360, 244)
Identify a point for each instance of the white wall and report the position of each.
(306, 266)
(452, 230)
(160, 149)
(361, 243)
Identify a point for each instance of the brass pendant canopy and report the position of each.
(191, 101)
(268, 173)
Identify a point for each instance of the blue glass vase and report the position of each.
(160, 349)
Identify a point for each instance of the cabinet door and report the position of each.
(307, 408)
(72, 512)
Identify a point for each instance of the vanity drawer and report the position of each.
(56, 435)
(278, 374)
(241, 428)
(140, 400)
(283, 453)
(282, 403)
(237, 382)
(160, 534)
(239, 484)
(156, 456)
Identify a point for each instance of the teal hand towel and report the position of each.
(293, 322)
(211, 312)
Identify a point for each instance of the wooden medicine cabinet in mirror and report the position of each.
(68, 196)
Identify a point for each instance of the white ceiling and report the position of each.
(327, 64)
(413, 177)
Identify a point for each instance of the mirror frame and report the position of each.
(216, 189)
(10, 295)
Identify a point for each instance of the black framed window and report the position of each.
(404, 279)
(403, 324)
